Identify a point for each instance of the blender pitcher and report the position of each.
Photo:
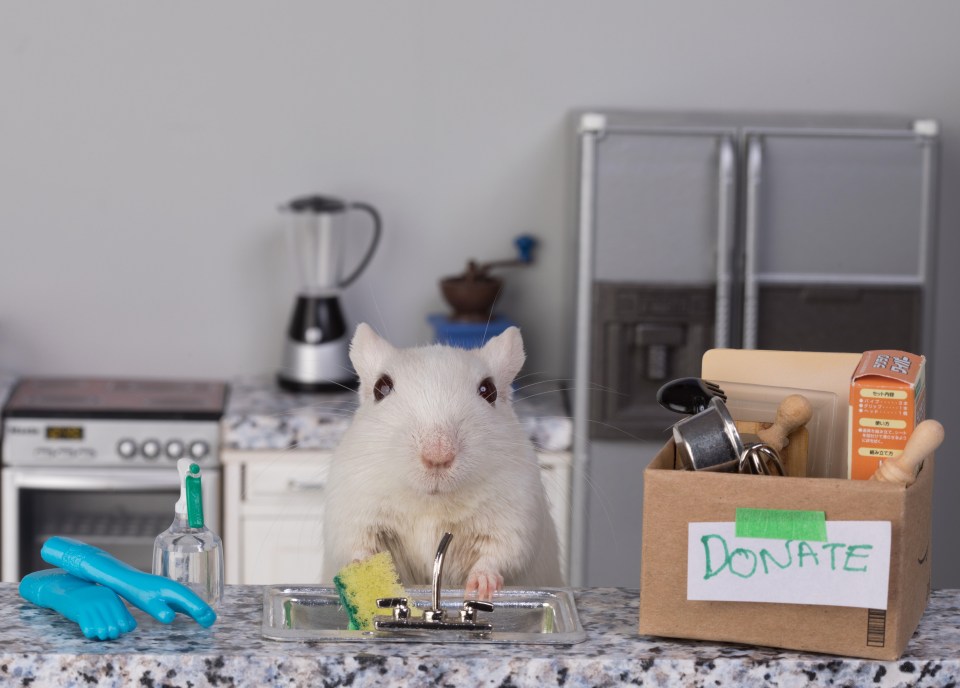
(316, 350)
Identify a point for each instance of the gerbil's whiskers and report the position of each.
(496, 298)
(376, 307)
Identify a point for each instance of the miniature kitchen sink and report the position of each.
(546, 616)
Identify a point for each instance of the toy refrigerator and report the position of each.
(698, 231)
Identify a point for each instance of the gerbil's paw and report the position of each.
(483, 584)
(361, 554)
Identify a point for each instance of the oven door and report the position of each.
(120, 511)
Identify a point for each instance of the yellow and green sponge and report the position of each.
(362, 583)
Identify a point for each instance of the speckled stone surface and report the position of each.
(38, 647)
(260, 415)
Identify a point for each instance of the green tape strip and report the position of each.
(782, 524)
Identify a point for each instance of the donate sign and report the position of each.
(851, 568)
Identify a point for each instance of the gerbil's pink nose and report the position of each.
(438, 453)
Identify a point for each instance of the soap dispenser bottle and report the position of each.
(189, 552)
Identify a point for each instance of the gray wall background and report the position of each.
(144, 149)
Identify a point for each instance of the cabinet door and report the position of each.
(278, 550)
(837, 241)
(273, 507)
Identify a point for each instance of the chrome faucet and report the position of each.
(434, 617)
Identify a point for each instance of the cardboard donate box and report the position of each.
(857, 586)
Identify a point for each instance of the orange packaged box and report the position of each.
(887, 401)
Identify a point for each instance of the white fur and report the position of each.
(384, 492)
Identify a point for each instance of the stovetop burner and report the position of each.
(122, 398)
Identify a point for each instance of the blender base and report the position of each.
(322, 367)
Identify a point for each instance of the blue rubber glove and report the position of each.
(159, 597)
(98, 611)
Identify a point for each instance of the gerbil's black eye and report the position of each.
(488, 390)
(383, 387)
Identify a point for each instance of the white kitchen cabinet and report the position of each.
(273, 513)
(273, 516)
(556, 472)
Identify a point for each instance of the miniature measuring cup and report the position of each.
(709, 441)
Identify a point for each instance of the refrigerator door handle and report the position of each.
(726, 200)
(592, 131)
(750, 289)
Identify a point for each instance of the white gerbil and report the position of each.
(435, 446)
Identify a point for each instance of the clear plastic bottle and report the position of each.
(189, 552)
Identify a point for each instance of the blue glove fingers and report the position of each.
(156, 607)
(170, 597)
(94, 625)
(116, 616)
(124, 619)
(96, 609)
(113, 630)
(87, 625)
(185, 600)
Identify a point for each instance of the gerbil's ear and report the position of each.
(368, 351)
(504, 353)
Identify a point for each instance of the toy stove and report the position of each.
(95, 459)
(81, 421)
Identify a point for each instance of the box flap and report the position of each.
(899, 366)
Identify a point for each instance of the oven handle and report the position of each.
(139, 480)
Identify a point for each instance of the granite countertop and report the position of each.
(260, 415)
(39, 645)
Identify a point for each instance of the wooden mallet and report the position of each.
(923, 441)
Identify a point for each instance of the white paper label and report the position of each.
(850, 569)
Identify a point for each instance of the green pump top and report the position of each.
(190, 504)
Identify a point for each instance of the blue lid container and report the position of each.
(466, 335)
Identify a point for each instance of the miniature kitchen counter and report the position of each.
(37, 645)
(260, 415)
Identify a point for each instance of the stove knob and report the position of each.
(199, 449)
(175, 449)
(150, 449)
(127, 448)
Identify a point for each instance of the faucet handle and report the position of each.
(471, 607)
(399, 605)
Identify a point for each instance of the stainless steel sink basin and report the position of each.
(547, 616)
